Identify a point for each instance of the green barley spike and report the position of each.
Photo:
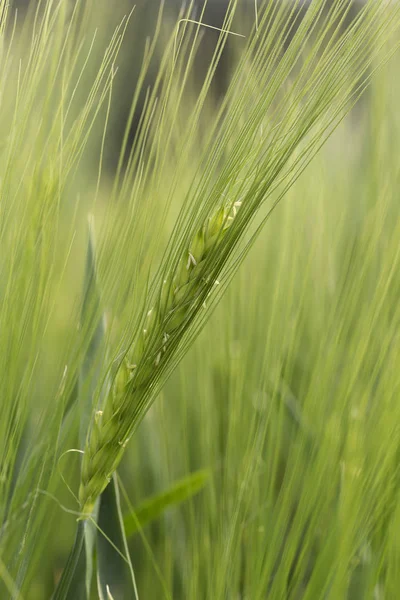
(111, 427)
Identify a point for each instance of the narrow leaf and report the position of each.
(153, 507)
(80, 563)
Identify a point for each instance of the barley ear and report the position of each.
(178, 298)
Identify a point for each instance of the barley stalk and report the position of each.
(177, 299)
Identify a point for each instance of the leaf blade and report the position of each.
(154, 506)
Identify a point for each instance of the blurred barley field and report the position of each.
(285, 405)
